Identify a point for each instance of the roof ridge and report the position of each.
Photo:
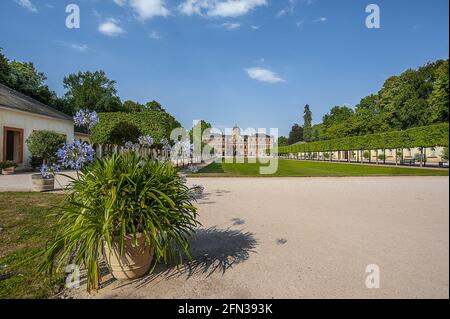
(32, 100)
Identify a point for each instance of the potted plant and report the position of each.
(8, 167)
(45, 180)
(127, 209)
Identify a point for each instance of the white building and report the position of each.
(20, 115)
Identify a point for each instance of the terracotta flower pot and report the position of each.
(8, 170)
(40, 184)
(135, 262)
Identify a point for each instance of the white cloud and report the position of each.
(79, 47)
(147, 9)
(220, 8)
(27, 5)
(230, 26)
(235, 8)
(263, 75)
(322, 19)
(254, 27)
(190, 7)
(75, 46)
(111, 28)
(299, 24)
(154, 35)
(290, 9)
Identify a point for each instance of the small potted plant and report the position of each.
(126, 210)
(8, 167)
(45, 180)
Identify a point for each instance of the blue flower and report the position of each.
(49, 171)
(131, 145)
(146, 140)
(86, 118)
(75, 155)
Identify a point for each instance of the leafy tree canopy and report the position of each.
(93, 91)
(44, 144)
(296, 134)
(307, 124)
(283, 141)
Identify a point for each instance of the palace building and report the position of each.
(237, 145)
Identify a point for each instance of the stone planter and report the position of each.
(40, 184)
(134, 263)
(8, 171)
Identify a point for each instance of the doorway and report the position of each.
(13, 144)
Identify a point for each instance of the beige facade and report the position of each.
(16, 126)
(433, 155)
(237, 145)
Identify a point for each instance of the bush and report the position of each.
(44, 144)
(124, 132)
(35, 162)
(426, 136)
(121, 196)
(445, 154)
(159, 125)
(366, 155)
(7, 164)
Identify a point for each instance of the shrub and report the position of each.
(7, 164)
(445, 154)
(44, 144)
(35, 162)
(117, 197)
(159, 125)
(426, 136)
(366, 155)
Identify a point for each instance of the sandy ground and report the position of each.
(309, 238)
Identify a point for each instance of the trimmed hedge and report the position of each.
(157, 124)
(425, 136)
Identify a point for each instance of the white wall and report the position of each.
(30, 122)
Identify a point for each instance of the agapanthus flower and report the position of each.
(49, 171)
(146, 140)
(130, 145)
(75, 155)
(86, 118)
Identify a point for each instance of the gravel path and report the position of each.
(309, 238)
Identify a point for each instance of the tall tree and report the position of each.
(317, 132)
(5, 69)
(337, 123)
(438, 99)
(283, 141)
(92, 90)
(296, 134)
(132, 106)
(154, 106)
(307, 124)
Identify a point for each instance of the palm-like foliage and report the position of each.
(117, 197)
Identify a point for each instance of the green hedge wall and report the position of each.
(157, 124)
(426, 136)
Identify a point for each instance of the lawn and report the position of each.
(314, 169)
(25, 227)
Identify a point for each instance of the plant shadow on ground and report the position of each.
(212, 250)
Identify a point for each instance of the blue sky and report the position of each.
(254, 63)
